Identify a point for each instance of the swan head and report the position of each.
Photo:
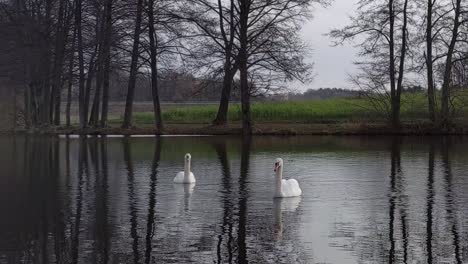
(278, 164)
(188, 157)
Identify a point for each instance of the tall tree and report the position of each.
(429, 59)
(269, 49)
(255, 38)
(127, 122)
(46, 59)
(70, 80)
(230, 66)
(244, 10)
(401, 71)
(383, 26)
(107, 61)
(153, 65)
(216, 24)
(60, 38)
(447, 79)
(441, 45)
(100, 36)
(81, 77)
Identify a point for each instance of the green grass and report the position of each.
(414, 107)
(310, 111)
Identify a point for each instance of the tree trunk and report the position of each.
(127, 122)
(394, 104)
(243, 67)
(70, 80)
(27, 108)
(221, 117)
(46, 98)
(93, 65)
(445, 116)
(94, 117)
(81, 92)
(401, 71)
(58, 63)
(229, 71)
(89, 83)
(429, 62)
(106, 69)
(154, 67)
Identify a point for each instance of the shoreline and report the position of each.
(261, 129)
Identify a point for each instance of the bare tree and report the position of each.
(215, 22)
(127, 122)
(443, 51)
(101, 39)
(383, 29)
(244, 10)
(153, 65)
(94, 115)
(430, 59)
(268, 46)
(447, 79)
(81, 77)
(70, 80)
(62, 26)
(107, 62)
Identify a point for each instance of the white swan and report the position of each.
(285, 188)
(185, 176)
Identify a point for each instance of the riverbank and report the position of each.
(259, 129)
(334, 116)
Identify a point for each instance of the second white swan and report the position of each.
(285, 188)
(185, 176)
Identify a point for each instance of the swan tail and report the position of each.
(179, 178)
(291, 188)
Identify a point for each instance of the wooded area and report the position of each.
(392, 35)
(53, 51)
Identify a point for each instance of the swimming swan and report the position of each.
(185, 176)
(285, 188)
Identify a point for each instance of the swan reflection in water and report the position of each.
(99, 200)
(184, 191)
(280, 206)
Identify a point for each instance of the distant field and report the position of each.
(334, 110)
(414, 107)
(310, 111)
(116, 109)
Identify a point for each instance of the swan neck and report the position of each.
(187, 169)
(279, 178)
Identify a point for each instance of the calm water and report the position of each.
(112, 200)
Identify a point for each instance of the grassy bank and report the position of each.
(275, 128)
(335, 110)
(337, 116)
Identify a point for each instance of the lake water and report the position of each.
(112, 200)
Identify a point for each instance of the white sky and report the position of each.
(332, 64)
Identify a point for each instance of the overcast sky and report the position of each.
(332, 64)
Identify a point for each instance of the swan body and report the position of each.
(185, 176)
(285, 188)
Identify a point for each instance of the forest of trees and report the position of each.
(54, 49)
(399, 38)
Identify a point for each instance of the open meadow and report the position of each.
(321, 111)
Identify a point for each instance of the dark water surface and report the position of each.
(112, 200)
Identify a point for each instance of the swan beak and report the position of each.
(276, 167)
